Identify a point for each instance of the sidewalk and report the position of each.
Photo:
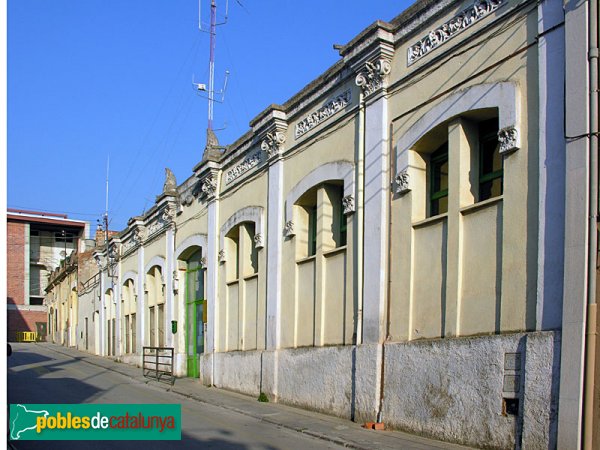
(340, 431)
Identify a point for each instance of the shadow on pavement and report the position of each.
(187, 443)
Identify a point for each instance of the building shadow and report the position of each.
(187, 443)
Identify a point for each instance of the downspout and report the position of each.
(592, 309)
(388, 318)
(360, 189)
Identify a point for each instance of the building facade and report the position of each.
(405, 240)
(72, 291)
(37, 242)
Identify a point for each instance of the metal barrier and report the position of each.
(157, 362)
(27, 336)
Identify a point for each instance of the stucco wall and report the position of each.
(448, 389)
(452, 389)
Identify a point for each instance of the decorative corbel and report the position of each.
(402, 182)
(373, 76)
(258, 240)
(509, 140)
(273, 143)
(289, 229)
(348, 204)
(209, 186)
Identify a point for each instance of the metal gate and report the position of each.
(157, 363)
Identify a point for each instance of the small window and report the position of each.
(36, 301)
(312, 230)
(490, 161)
(438, 197)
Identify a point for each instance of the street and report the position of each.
(36, 374)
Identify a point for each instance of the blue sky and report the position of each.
(89, 79)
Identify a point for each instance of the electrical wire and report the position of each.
(192, 51)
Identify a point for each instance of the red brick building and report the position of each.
(37, 242)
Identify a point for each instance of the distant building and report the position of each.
(73, 292)
(37, 243)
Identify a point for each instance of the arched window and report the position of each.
(155, 291)
(241, 319)
(319, 303)
(320, 218)
(128, 312)
(109, 310)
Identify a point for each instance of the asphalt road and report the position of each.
(39, 375)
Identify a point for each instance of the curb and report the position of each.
(264, 419)
(314, 434)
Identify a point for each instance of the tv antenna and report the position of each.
(210, 89)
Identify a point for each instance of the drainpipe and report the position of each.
(360, 189)
(592, 310)
(392, 170)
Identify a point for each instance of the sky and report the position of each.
(105, 86)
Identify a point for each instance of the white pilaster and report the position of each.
(168, 276)
(140, 304)
(117, 298)
(212, 275)
(274, 248)
(102, 317)
(376, 192)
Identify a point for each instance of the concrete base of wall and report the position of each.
(133, 359)
(455, 390)
(448, 389)
(180, 364)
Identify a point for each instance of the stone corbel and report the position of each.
(270, 127)
(168, 215)
(509, 140)
(140, 234)
(273, 143)
(222, 256)
(288, 231)
(258, 240)
(209, 186)
(348, 204)
(373, 76)
(402, 182)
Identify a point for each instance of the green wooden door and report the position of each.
(195, 316)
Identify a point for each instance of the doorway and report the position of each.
(195, 313)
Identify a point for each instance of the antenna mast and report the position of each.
(106, 209)
(211, 139)
(211, 63)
